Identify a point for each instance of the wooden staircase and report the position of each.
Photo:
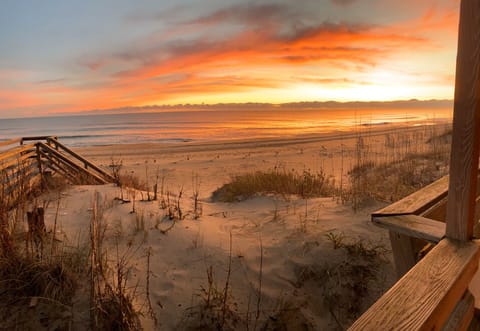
(27, 161)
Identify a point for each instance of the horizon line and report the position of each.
(410, 103)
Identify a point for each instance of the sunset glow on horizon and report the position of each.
(58, 56)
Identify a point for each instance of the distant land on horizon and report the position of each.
(396, 104)
(310, 105)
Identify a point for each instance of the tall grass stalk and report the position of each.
(285, 183)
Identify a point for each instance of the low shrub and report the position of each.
(284, 183)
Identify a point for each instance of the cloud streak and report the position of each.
(242, 50)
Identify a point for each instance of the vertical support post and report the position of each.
(39, 165)
(403, 253)
(466, 126)
(39, 159)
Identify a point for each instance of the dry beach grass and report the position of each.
(246, 235)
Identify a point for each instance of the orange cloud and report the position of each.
(240, 49)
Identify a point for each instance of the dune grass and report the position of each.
(284, 183)
(407, 171)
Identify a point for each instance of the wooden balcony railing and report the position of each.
(434, 294)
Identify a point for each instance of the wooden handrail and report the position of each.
(418, 201)
(17, 160)
(413, 226)
(86, 162)
(16, 151)
(18, 154)
(25, 176)
(22, 165)
(425, 297)
(10, 142)
(58, 167)
(69, 170)
(34, 138)
(429, 201)
(47, 150)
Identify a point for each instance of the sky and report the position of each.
(61, 56)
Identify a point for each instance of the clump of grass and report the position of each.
(28, 282)
(132, 181)
(173, 208)
(347, 285)
(127, 180)
(24, 278)
(336, 239)
(217, 310)
(36, 293)
(115, 310)
(392, 181)
(197, 206)
(284, 313)
(356, 248)
(411, 161)
(306, 184)
(111, 302)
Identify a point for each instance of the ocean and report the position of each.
(209, 125)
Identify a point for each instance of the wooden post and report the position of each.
(466, 126)
(39, 159)
(403, 252)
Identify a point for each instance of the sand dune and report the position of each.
(295, 263)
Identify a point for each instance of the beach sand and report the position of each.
(290, 264)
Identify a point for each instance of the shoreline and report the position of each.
(225, 126)
(132, 149)
(215, 163)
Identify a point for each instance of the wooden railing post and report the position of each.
(466, 126)
(413, 303)
(39, 159)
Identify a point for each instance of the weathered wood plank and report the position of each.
(67, 170)
(466, 125)
(65, 164)
(49, 160)
(17, 184)
(19, 171)
(48, 152)
(86, 162)
(10, 142)
(35, 138)
(435, 207)
(462, 314)
(17, 161)
(16, 151)
(418, 201)
(56, 167)
(437, 212)
(413, 226)
(425, 297)
(404, 253)
(474, 323)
